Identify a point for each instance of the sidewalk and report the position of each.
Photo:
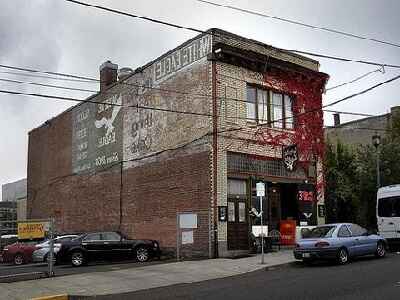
(129, 280)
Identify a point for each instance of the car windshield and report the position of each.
(322, 231)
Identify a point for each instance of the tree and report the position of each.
(340, 174)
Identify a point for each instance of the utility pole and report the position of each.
(51, 246)
(376, 141)
(260, 187)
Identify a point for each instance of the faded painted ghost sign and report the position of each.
(182, 57)
(97, 134)
(102, 136)
(146, 130)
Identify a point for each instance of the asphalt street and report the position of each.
(365, 278)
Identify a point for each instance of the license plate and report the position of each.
(306, 255)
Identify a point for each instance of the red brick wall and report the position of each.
(152, 194)
(49, 158)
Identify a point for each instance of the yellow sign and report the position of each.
(32, 230)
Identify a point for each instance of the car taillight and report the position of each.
(321, 244)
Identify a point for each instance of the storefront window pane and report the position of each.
(236, 187)
(231, 211)
(242, 212)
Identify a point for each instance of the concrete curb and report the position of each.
(54, 297)
(273, 267)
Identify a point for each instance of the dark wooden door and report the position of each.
(238, 227)
(274, 199)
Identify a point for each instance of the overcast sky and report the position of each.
(55, 35)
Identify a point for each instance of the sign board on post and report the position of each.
(187, 237)
(321, 210)
(260, 187)
(188, 221)
(31, 230)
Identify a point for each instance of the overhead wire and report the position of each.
(299, 23)
(381, 70)
(47, 85)
(119, 12)
(144, 107)
(100, 102)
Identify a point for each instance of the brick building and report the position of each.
(360, 132)
(190, 132)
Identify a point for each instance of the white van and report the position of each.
(388, 213)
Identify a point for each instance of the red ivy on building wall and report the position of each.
(306, 91)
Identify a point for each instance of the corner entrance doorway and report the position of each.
(238, 227)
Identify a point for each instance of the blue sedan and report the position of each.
(339, 242)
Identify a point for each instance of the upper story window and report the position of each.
(265, 106)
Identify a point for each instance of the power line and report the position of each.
(381, 70)
(46, 77)
(326, 29)
(46, 72)
(119, 12)
(196, 113)
(241, 100)
(345, 59)
(99, 102)
(313, 110)
(47, 85)
(135, 16)
(348, 113)
(362, 92)
(90, 80)
(356, 128)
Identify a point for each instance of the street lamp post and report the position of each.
(376, 141)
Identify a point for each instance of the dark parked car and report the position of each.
(106, 245)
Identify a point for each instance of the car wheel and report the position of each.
(142, 254)
(77, 259)
(342, 256)
(380, 250)
(18, 259)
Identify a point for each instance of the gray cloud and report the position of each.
(59, 36)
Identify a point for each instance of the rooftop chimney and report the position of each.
(336, 119)
(108, 75)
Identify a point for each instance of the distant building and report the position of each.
(16, 192)
(360, 132)
(8, 217)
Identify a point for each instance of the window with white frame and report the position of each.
(265, 106)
